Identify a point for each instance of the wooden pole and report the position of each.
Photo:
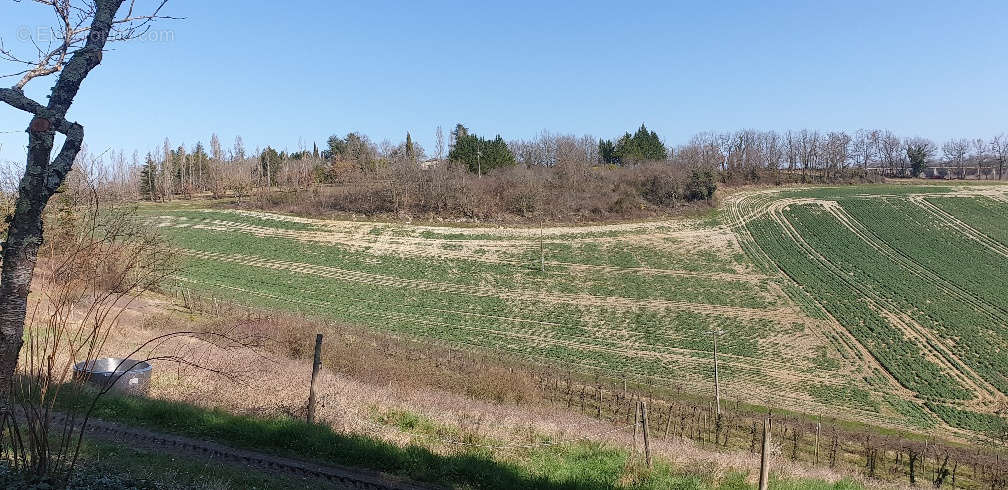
(636, 424)
(818, 427)
(717, 382)
(316, 365)
(668, 423)
(542, 250)
(644, 424)
(764, 477)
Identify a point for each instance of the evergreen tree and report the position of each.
(643, 145)
(467, 150)
(336, 148)
(315, 152)
(458, 133)
(269, 163)
(410, 151)
(919, 151)
(149, 179)
(607, 152)
(481, 155)
(178, 163)
(199, 165)
(496, 154)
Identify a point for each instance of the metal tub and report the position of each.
(126, 376)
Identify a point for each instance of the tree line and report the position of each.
(745, 156)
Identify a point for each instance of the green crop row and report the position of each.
(988, 216)
(964, 307)
(842, 294)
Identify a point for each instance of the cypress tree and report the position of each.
(410, 152)
(149, 179)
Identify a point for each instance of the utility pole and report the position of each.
(479, 166)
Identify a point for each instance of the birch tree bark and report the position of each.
(84, 28)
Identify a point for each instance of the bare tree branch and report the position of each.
(74, 32)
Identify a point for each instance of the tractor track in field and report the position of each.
(316, 475)
(847, 340)
(516, 295)
(925, 339)
(962, 227)
(884, 307)
(925, 336)
(914, 266)
(793, 234)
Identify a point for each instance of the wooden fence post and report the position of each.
(636, 424)
(764, 477)
(818, 426)
(668, 423)
(644, 423)
(316, 364)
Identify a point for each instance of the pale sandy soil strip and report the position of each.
(476, 250)
(666, 225)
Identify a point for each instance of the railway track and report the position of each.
(313, 474)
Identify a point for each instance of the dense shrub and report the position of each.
(700, 185)
(449, 190)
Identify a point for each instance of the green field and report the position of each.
(885, 302)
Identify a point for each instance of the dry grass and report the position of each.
(364, 374)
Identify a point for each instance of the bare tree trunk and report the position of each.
(41, 180)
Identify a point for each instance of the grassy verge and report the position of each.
(577, 465)
(106, 465)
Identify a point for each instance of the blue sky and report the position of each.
(277, 75)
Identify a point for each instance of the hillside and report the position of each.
(878, 303)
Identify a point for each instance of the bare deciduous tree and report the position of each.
(979, 155)
(864, 147)
(955, 155)
(439, 143)
(82, 30)
(999, 149)
(836, 152)
(891, 152)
